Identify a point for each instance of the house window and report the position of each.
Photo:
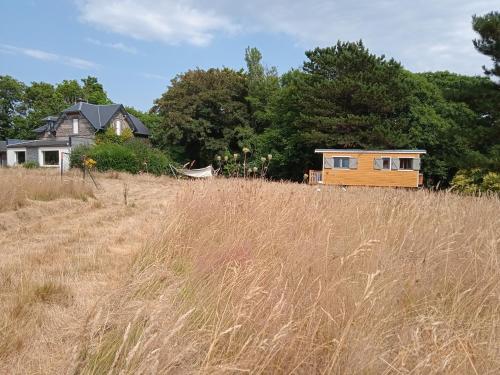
(75, 126)
(118, 126)
(406, 163)
(20, 157)
(341, 162)
(50, 157)
(386, 163)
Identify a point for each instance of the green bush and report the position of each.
(491, 182)
(150, 159)
(133, 156)
(110, 136)
(30, 164)
(77, 155)
(473, 181)
(114, 157)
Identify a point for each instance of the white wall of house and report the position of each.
(59, 150)
(12, 157)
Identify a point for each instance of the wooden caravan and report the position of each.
(397, 168)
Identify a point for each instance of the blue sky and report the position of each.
(135, 47)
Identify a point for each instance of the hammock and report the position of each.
(206, 172)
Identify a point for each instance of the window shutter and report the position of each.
(353, 163)
(395, 164)
(416, 164)
(378, 163)
(328, 163)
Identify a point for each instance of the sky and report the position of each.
(135, 47)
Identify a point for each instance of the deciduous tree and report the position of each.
(12, 107)
(204, 113)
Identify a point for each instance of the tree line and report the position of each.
(343, 96)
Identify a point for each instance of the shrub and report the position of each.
(116, 157)
(110, 136)
(77, 155)
(150, 159)
(133, 156)
(475, 181)
(491, 182)
(30, 164)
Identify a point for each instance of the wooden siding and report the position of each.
(65, 128)
(366, 175)
(85, 129)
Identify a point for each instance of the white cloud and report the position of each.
(118, 46)
(423, 34)
(37, 54)
(74, 62)
(154, 76)
(169, 21)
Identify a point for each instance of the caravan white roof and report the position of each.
(359, 151)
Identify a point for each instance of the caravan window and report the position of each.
(386, 163)
(341, 162)
(406, 163)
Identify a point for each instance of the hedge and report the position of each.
(133, 156)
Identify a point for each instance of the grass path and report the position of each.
(59, 258)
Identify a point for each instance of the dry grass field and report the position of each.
(18, 186)
(232, 276)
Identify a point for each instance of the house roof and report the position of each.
(40, 143)
(359, 151)
(11, 141)
(97, 115)
(51, 118)
(41, 129)
(139, 126)
(100, 115)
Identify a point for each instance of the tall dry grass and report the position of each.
(279, 278)
(18, 186)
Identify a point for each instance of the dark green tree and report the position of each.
(488, 28)
(481, 130)
(347, 98)
(12, 107)
(93, 91)
(70, 91)
(204, 113)
(42, 100)
(282, 139)
(151, 119)
(263, 84)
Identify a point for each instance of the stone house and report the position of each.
(75, 126)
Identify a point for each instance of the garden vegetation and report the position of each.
(122, 154)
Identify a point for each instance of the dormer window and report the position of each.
(118, 127)
(75, 126)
